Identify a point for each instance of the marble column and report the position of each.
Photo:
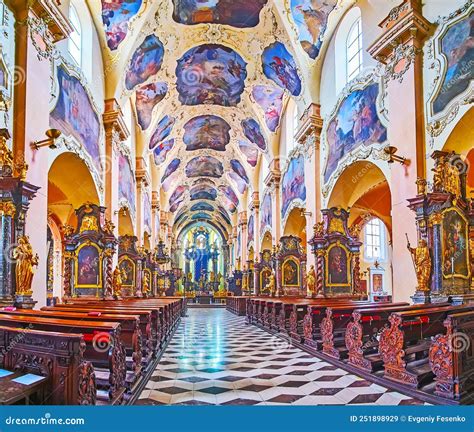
(273, 181)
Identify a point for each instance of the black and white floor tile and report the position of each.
(214, 358)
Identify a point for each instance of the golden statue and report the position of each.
(26, 259)
(422, 261)
(146, 283)
(453, 179)
(318, 229)
(117, 281)
(336, 225)
(311, 281)
(271, 284)
(6, 155)
(109, 227)
(438, 174)
(212, 277)
(89, 223)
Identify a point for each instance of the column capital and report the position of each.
(255, 201)
(405, 26)
(155, 200)
(243, 218)
(274, 176)
(142, 175)
(114, 122)
(309, 131)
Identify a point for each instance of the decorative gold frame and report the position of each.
(348, 266)
(126, 258)
(76, 266)
(293, 259)
(261, 276)
(466, 232)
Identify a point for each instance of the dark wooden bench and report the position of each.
(59, 357)
(103, 349)
(405, 343)
(451, 358)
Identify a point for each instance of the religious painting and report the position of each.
(116, 14)
(211, 74)
(203, 192)
(239, 170)
(270, 99)
(337, 268)
(161, 151)
(177, 194)
(162, 131)
(457, 46)
(280, 67)
(127, 267)
(236, 13)
(251, 229)
(146, 61)
(171, 168)
(206, 132)
(290, 273)
(265, 277)
(88, 272)
(249, 151)
(239, 182)
(266, 212)
(224, 214)
(201, 216)
(204, 166)
(253, 133)
(147, 210)
(293, 187)
(126, 182)
(311, 18)
(455, 245)
(356, 123)
(147, 97)
(74, 115)
(377, 283)
(202, 206)
(229, 193)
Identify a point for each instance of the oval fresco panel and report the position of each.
(241, 185)
(355, 123)
(206, 132)
(211, 74)
(170, 169)
(116, 15)
(145, 62)
(202, 206)
(266, 212)
(177, 194)
(311, 18)
(198, 216)
(280, 67)
(250, 152)
(161, 151)
(163, 129)
(203, 192)
(223, 213)
(147, 97)
(253, 133)
(270, 99)
(293, 186)
(236, 13)
(230, 198)
(239, 170)
(204, 166)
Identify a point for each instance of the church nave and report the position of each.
(215, 358)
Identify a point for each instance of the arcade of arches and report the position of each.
(171, 155)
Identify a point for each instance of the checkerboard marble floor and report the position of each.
(214, 358)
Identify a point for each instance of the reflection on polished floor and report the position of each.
(214, 358)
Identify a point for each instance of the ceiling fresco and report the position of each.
(206, 132)
(202, 206)
(210, 80)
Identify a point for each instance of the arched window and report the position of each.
(75, 38)
(354, 50)
(374, 240)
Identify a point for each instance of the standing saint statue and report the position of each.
(271, 287)
(26, 259)
(311, 281)
(422, 262)
(146, 283)
(117, 281)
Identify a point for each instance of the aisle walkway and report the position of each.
(215, 358)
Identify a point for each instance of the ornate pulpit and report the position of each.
(16, 272)
(262, 271)
(290, 263)
(88, 253)
(130, 262)
(337, 253)
(445, 221)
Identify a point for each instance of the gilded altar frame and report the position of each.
(76, 267)
(348, 266)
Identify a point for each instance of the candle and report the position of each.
(452, 264)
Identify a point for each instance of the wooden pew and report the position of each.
(405, 343)
(57, 356)
(130, 335)
(236, 305)
(333, 326)
(103, 349)
(451, 358)
(363, 330)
